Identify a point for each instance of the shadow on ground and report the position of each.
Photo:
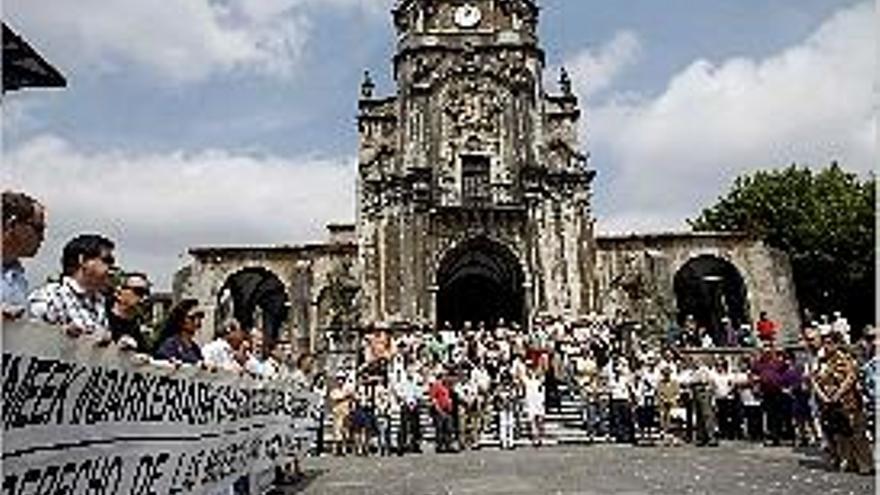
(300, 485)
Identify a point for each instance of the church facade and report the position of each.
(474, 205)
(471, 185)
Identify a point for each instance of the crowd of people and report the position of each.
(818, 393)
(694, 385)
(94, 300)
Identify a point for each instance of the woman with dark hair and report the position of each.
(176, 342)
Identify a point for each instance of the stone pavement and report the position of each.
(735, 468)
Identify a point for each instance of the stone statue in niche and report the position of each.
(453, 110)
(473, 143)
(424, 68)
(371, 201)
(491, 109)
(470, 56)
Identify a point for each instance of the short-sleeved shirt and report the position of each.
(68, 303)
(220, 353)
(441, 397)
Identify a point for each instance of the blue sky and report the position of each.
(232, 121)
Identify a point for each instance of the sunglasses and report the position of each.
(139, 291)
(108, 260)
(198, 315)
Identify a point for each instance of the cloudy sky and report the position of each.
(202, 122)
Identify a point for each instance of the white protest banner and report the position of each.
(80, 418)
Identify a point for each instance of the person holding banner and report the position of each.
(77, 301)
(229, 350)
(257, 358)
(124, 314)
(176, 341)
(23, 227)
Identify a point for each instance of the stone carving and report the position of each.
(472, 109)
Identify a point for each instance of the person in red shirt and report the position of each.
(441, 410)
(766, 327)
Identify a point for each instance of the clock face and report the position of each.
(468, 16)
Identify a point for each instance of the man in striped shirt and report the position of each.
(77, 301)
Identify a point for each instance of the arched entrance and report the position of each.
(480, 280)
(256, 298)
(710, 288)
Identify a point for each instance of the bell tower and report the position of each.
(471, 151)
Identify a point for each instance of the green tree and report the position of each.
(824, 220)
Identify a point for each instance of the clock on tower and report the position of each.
(467, 16)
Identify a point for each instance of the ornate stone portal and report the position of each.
(473, 204)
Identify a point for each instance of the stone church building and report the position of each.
(474, 204)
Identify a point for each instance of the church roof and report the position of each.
(671, 236)
(280, 249)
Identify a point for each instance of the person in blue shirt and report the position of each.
(24, 223)
(177, 340)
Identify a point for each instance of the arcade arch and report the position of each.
(480, 280)
(710, 288)
(255, 297)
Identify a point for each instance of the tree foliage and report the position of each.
(824, 220)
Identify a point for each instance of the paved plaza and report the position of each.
(729, 469)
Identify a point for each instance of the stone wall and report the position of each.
(654, 259)
(303, 270)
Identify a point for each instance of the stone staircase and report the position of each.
(564, 426)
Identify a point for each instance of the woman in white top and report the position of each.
(534, 404)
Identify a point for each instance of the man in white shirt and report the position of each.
(703, 386)
(225, 352)
(621, 404)
(841, 326)
(409, 391)
(646, 382)
(256, 358)
(725, 403)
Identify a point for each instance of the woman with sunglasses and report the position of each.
(177, 340)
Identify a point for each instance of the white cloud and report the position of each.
(594, 70)
(156, 206)
(173, 40)
(674, 153)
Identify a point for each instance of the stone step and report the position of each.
(561, 426)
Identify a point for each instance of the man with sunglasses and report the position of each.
(24, 222)
(77, 301)
(124, 314)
